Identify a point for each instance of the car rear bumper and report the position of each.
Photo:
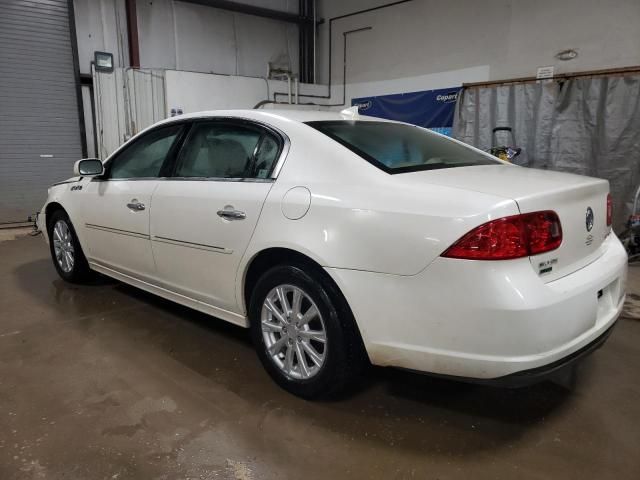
(494, 321)
(532, 376)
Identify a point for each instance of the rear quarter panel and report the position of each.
(362, 218)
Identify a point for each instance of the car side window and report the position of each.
(227, 150)
(144, 157)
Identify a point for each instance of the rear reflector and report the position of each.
(510, 237)
(610, 210)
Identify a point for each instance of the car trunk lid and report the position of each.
(580, 202)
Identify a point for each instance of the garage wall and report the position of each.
(177, 35)
(127, 101)
(183, 36)
(101, 25)
(498, 38)
(193, 92)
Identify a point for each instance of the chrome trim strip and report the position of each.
(197, 246)
(97, 179)
(117, 231)
(220, 179)
(189, 179)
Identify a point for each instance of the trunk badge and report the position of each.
(589, 219)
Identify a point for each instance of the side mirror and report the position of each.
(88, 167)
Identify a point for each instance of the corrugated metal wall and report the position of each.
(39, 120)
(127, 101)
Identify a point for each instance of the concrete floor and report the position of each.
(105, 381)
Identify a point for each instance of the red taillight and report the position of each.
(510, 237)
(609, 210)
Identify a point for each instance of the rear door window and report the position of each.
(227, 150)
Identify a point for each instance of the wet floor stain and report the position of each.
(105, 381)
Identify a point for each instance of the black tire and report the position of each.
(80, 271)
(345, 356)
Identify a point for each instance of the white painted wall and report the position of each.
(183, 36)
(194, 92)
(177, 35)
(101, 25)
(427, 44)
(127, 101)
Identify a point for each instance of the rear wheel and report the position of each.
(304, 335)
(66, 252)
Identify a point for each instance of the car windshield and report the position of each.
(400, 148)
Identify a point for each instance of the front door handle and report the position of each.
(135, 205)
(232, 214)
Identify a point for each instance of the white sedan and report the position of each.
(342, 240)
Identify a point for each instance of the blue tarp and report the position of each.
(430, 108)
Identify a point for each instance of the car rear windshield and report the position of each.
(400, 148)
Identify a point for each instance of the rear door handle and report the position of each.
(232, 214)
(135, 205)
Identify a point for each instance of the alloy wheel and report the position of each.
(63, 246)
(294, 332)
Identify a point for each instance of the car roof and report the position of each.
(296, 115)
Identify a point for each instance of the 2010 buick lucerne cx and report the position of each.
(341, 240)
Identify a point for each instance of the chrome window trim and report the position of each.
(188, 179)
(130, 179)
(286, 144)
(220, 179)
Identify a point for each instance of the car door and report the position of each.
(203, 217)
(116, 205)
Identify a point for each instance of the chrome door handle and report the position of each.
(232, 214)
(135, 205)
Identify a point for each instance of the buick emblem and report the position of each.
(589, 219)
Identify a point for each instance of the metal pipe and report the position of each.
(239, 7)
(315, 35)
(344, 78)
(331, 20)
(297, 88)
(560, 76)
(289, 86)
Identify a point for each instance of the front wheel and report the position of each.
(305, 338)
(66, 252)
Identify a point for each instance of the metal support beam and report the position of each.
(76, 74)
(132, 33)
(256, 11)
